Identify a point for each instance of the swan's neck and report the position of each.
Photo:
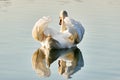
(63, 26)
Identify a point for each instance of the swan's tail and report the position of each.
(39, 28)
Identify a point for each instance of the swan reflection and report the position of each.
(39, 63)
(69, 61)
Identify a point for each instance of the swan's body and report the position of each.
(49, 37)
(71, 33)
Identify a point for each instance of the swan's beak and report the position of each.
(60, 22)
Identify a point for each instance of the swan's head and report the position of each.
(62, 16)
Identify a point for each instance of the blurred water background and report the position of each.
(100, 46)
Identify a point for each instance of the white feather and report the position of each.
(41, 32)
(76, 25)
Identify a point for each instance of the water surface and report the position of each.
(100, 47)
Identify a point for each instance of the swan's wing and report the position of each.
(42, 23)
(80, 29)
(76, 25)
(39, 28)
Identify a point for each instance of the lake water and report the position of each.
(99, 51)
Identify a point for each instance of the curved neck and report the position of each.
(63, 26)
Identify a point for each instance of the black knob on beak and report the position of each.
(60, 22)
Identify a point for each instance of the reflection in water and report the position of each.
(69, 61)
(64, 2)
(39, 62)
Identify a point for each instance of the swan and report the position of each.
(71, 32)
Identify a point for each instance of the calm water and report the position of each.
(98, 52)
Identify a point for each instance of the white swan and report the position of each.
(71, 32)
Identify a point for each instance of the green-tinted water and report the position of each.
(100, 46)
